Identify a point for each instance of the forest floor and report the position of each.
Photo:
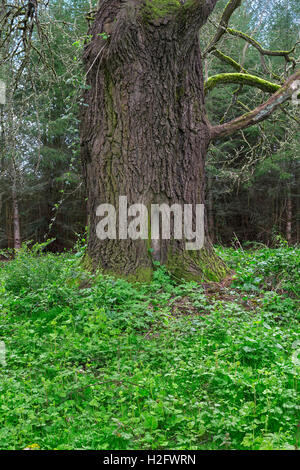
(90, 362)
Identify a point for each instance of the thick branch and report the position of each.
(231, 6)
(193, 15)
(260, 113)
(242, 79)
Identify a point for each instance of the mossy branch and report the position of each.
(223, 28)
(257, 45)
(241, 79)
(228, 60)
(262, 112)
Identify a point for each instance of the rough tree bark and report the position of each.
(144, 130)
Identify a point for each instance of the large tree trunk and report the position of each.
(145, 136)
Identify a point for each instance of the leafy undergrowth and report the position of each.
(97, 363)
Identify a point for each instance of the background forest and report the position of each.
(252, 177)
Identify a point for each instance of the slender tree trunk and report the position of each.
(16, 220)
(145, 136)
(289, 216)
(210, 209)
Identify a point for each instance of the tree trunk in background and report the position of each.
(210, 209)
(16, 220)
(145, 136)
(289, 216)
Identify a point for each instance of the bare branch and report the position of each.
(17, 23)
